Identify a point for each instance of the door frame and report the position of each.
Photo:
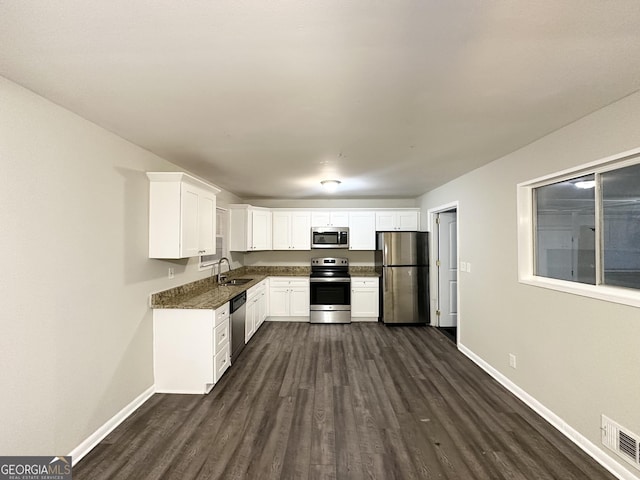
(433, 257)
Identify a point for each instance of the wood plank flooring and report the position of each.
(359, 401)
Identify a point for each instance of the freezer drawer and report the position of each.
(405, 295)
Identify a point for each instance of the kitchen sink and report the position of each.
(237, 281)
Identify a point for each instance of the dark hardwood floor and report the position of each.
(346, 402)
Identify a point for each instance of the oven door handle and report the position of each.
(330, 279)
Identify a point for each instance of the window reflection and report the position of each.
(621, 226)
(565, 230)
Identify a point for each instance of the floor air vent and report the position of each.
(621, 441)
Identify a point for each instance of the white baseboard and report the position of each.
(96, 437)
(580, 440)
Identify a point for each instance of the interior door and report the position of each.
(447, 269)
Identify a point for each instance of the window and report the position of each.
(579, 231)
(621, 227)
(565, 230)
(222, 227)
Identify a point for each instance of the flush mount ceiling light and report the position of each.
(330, 186)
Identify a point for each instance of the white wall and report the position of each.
(579, 357)
(76, 342)
(303, 257)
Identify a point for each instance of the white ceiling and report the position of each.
(267, 97)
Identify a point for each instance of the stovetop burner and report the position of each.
(326, 267)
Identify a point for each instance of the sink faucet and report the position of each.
(221, 277)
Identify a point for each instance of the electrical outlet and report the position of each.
(512, 360)
(463, 266)
(171, 272)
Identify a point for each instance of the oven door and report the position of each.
(332, 293)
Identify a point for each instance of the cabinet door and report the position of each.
(407, 220)
(206, 223)
(385, 221)
(189, 233)
(181, 215)
(320, 219)
(261, 310)
(261, 230)
(239, 229)
(250, 320)
(339, 219)
(364, 302)
(299, 301)
(362, 231)
(267, 305)
(281, 231)
(300, 231)
(279, 301)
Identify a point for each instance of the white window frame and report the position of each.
(526, 233)
(221, 234)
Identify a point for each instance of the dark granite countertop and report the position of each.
(207, 294)
(363, 272)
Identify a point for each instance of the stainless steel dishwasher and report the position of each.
(238, 314)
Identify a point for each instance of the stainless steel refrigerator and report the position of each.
(402, 260)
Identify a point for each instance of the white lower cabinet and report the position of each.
(191, 349)
(256, 312)
(289, 297)
(365, 303)
(263, 303)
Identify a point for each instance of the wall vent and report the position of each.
(622, 441)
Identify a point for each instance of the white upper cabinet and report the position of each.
(291, 230)
(182, 216)
(250, 228)
(330, 219)
(362, 230)
(407, 220)
(258, 228)
(281, 227)
(261, 229)
(207, 223)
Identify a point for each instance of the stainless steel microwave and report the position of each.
(330, 237)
